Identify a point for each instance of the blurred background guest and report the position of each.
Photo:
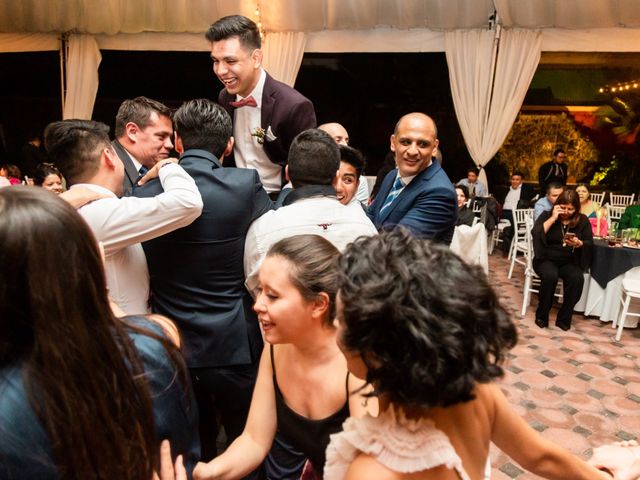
(592, 211)
(465, 214)
(12, 173)
(48, 177)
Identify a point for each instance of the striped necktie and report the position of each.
(398, 185)
(143, 170)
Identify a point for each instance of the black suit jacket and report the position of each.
(285, 110)
(130, 171)
(196, 272)
(546, 175)
(526, 195)
(427, 206)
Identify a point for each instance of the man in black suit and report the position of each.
(519, 195)
(143, 136)
(418, 194)
(554, 171)
(196, 273)
(267, 114)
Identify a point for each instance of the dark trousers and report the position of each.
(223, 395)
(572, 283)
(507, 232)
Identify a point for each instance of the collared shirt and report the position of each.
(120, 224)
(541, 205)
(248, 152)
(475, 189)
(320, 214)
(135, 162)
(512, 198)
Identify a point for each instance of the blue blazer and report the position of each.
(427, 206)
(196, 272)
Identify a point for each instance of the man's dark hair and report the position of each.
(353, 157)
(407, 314)
(235, 26)
(554, 186)
(313, 158)
(518, 173)
(138, 111)
(203, 124)
(75, 146)
(557, 151)
(475, 170)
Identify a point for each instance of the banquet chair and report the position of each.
(470, 244)
(630, 289)
(519, 242)
(614, 213)
(531, 279)
(495, 237)
(621, 200)
(598, 197)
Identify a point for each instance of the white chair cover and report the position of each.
(470, 244)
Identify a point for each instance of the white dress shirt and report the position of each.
(248, 152)
(512, 198)
(122, 223)
(321, 215)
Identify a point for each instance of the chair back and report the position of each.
(621, 200)
(598, 198)
(614, 213)
(470, 244)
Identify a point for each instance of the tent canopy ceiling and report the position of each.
(194, 16)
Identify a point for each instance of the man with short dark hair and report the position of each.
(349, 175)
(475, 187)
(519, 195)
(267, 114)
(417, 195)
(197, 276)
(143, 136)
(85, 156)
(554, 171)
(554, 189)
(312, 206)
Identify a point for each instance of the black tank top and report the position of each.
(311, 437)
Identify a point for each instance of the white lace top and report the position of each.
(400, 444)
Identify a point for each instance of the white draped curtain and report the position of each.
(82, 62)
(283, 54)
(488, 84)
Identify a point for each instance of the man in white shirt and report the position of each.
(267, 114)
(341, 136)
(143, 137)
(519, 195)
(312, 206)
(83, 152)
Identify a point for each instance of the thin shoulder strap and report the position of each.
(273, 363)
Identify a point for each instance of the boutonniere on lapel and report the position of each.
(261, 134)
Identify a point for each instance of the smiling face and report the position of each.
(414, 143)
(53, 183)
(284, 314)
(346, 183)
(152, 143)
(516, 181)
(236, 66)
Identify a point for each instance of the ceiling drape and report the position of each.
(83, 60)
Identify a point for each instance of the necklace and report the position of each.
(565, 229)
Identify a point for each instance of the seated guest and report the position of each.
(475, 187)
(519, 195)
(406, 330)
(546, 203)
(592, 211)
(83, 394)
(465, 214)
(630, 218)
(303, 391)
(12, 173)
(48, 177)
(349, 174)
(562, 241)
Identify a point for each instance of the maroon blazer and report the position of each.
(285, 110)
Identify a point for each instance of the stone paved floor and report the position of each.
(579, 388)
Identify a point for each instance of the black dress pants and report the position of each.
(572, 282)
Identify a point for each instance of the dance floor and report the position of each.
(579, 388)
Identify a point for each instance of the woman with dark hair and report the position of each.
(82, 393)
(303, 386)
(12, 173)
(597, 216)
(465, 214)
(406, 325)
(562, 241)
(48, 177)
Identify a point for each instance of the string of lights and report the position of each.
(620, 87)
(259, 20)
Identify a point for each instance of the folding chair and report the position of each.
(614, 213)
(621, 200)
(519, 243)
(598, 198)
